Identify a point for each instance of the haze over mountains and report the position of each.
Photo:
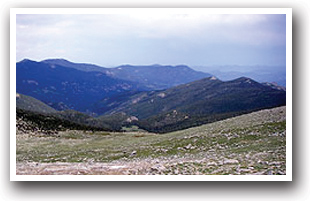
(260, 73)
(155, 98)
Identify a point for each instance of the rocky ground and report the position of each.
(252, 144)
(164, 166)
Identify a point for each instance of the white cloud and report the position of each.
(103, 36)
(146, 25)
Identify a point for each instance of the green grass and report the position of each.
(236, 138)
(74, 146)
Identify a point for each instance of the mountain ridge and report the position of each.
(67, 88)
(161, 110)
(61, 83)
(199, 102)
(154, 76)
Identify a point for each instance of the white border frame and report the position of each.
(14, 177)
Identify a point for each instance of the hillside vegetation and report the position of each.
(196, 103)
(254, 143)
(29, 103)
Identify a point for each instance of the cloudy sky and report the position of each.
(115, 39)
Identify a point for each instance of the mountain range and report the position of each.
(154, 98)
(65, 85)
(154, 77)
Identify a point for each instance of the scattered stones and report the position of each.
(161, 150)
(216, 155)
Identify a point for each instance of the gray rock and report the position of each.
(188, 146)
(245, 170)
(212, 163)
(133, 153)
(230, 162)
(158, 168)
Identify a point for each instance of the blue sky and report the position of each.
(192, 39)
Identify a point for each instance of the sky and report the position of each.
(111, 40)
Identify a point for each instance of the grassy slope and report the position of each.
(31, 104)
(249, 144)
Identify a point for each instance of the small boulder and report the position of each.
(230, 162)
(188, 146)
(133, 153)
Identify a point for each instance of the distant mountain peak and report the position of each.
(124, 66)
(25, 60)
(56, 59)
